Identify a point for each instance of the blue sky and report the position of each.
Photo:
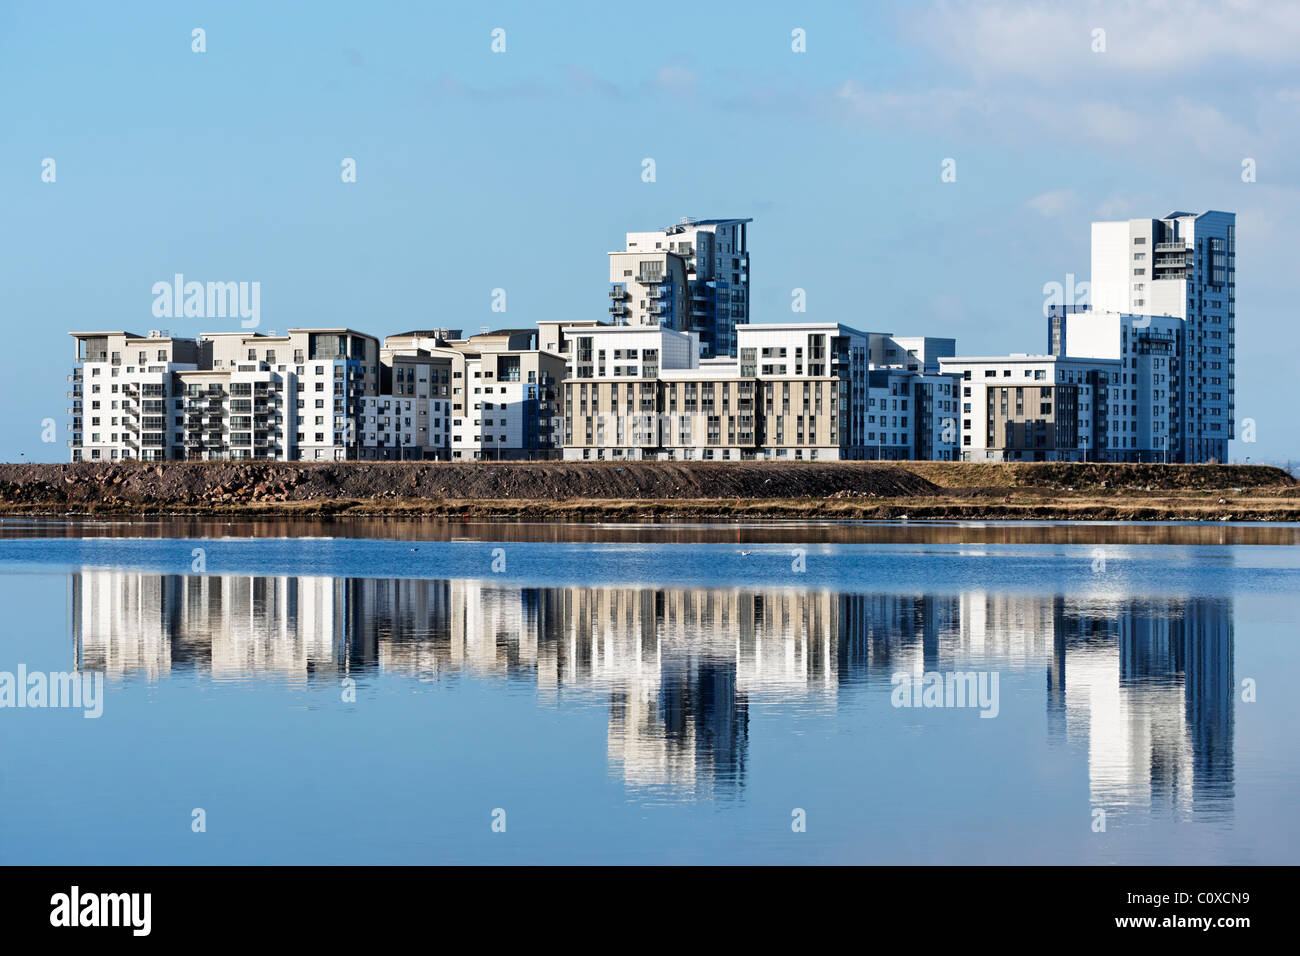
(519, 170)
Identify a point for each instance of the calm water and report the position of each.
(380, 691)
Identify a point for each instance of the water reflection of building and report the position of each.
(1145, 685)
(1150, 687)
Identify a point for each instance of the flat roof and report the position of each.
(807, 325)
(731, 370)
(625, 329)
(687, 222)
(1017, 357)
(349, 330)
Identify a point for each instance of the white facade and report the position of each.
(489, 396)
(405, 423)
(122, 391)
(1144, 395)
(1182, 266)
(219, 396)
(627, 351)
(1075, 387)
(649, 288)
(716, 256)
(497, 415)
(795, 391)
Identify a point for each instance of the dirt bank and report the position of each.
(192, 483)
(659, 489)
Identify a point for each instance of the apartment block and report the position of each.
(1146, 399)
(905, 375)
(814, 393)
(494, 396)
(911, 415)
(799, 391)
(715, 253)
(1181, 266)
(676, 371)
(314, 395)
(1035, 407)
(219, 396)
(611, 399)
(914, 353)
(649, 288)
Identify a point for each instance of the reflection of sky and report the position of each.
(896, 567)
(641, 724)
(1144, 685)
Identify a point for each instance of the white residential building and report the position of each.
(1034, 407)
(490, 396)
(1144, 395)
(314, 395)
(649, 288)
(222, 395)
(716, 256)
(1182, 266)
(796, 391)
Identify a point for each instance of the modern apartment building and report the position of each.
(410, 418)
(649, 288)
(611, 402)
(814, 396)
(715, 253)
(225, 395)
(1145, 372)
(494, 395)
(798, 391)
(1145, 396)
(314, 395)
(1182, 266)
(1035, 407)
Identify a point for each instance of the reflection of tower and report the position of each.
(878, 634)
(1155, 699)
(1147, 684)
(1210, 689)
(1084, 633)
(1056, 673)
(722, 721)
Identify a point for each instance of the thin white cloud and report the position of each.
(892, 107)
(1053, 202)
(676, 77)
(1052, 42)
